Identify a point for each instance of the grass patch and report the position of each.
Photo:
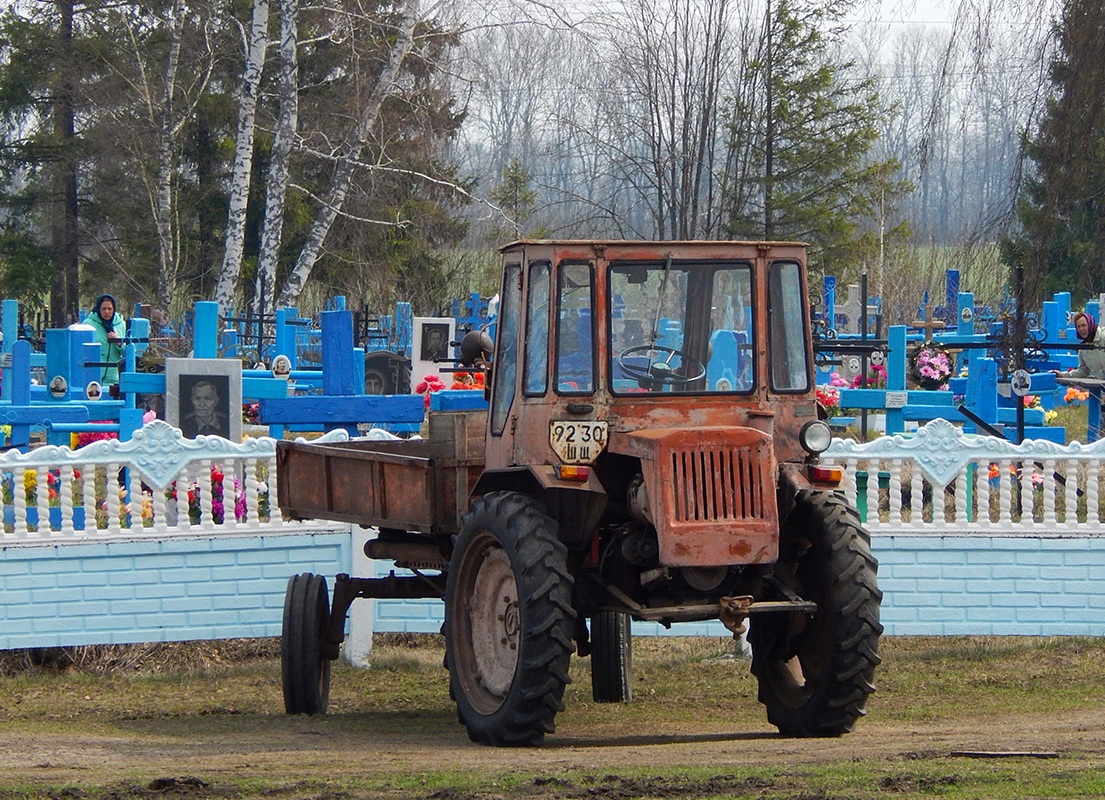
(94, 726)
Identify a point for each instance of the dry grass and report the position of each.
(139, 659)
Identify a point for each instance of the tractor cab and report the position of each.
(684, 366)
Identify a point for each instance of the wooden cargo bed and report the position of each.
(417, 485)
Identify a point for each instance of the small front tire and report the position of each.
(611, 657)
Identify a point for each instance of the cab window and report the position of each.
(681, 327)
(505, 365)
(536, 372)
(790, 370)
(575, 348)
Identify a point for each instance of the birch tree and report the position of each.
(146, 94)
(347, 159)
(169, 125)
(287, 121)
(255, 44)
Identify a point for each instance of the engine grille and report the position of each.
(724, 484)
(711, 493)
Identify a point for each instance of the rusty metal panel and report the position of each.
(711, 491)
(396, 495)
(458, 435)
(718, 484)
(302, 483)
(366, 482)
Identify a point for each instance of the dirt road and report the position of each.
(204, 734)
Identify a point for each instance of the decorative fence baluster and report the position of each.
(137, 501)
(982, 491)
(1026, 492)
(230, 495)
(996, 484)
(157, 458)
(250, 479)
(1050, 488)
(1006, 481)
(19, 503)
(274, 517)
(895, 499)
(960, 514)
(65, 496)
(114, 507)
(1093, 492)
(42, 498)
(161, 507)
(183, 504)
(916, 498)
(1072, 470)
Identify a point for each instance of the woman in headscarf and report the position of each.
(1091, 362)
(110, 329)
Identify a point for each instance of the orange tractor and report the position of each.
(650, 452)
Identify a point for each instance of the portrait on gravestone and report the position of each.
(204, 396)
(282, 367)
(435, 341)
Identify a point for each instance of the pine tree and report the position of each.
(803, 135)
(1061, 241)
(39, 156)
(515, 198)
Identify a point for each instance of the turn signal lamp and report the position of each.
(570, 472)
(826, 474)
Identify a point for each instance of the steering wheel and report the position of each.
(660, 373)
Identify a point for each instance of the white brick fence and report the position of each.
(976, 535)
(157, 483)
(159, 538)
(1011, 544)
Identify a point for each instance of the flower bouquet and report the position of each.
(1075, 396)
(931, 367)
(829, 399)
(874, 379)
(429, 385)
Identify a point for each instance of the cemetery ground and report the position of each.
(1013, 717)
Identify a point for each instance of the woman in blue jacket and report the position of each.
(111, 329)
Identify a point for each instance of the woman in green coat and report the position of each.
(111, 330)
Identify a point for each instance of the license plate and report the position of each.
(577, 442)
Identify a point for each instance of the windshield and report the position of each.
(683, 328)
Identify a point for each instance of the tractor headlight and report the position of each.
(815, 437)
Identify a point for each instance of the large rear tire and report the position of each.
(815, 671)
(508, 622)
(303, 667)
(611, 657)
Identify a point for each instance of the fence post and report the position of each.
(896, 375)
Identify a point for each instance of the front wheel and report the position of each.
(304, 669)
(611, 657)
(815, 671)
(508, 622)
